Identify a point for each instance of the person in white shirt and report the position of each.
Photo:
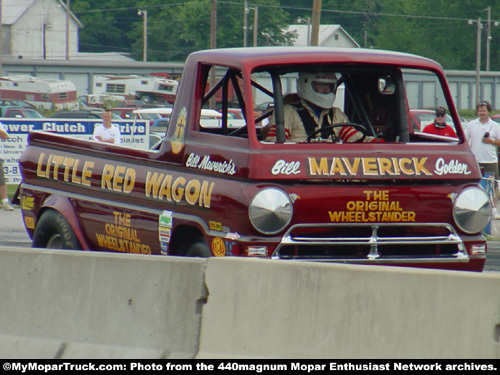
(483, 136)
(3, 188)
(106, 132)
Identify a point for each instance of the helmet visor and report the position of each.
(323, 87)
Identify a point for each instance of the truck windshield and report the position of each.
(327, 103)
(352, 104)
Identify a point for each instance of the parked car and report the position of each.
(264, 106)
(131, 113)
(164, 115)
(234, 113)
(124, 112)
(76, 114)
(82, 114)
(20, 112)
(83, 107)
(237, 114)
(496, 117)
(161, 123)
(98, 101)
(139, 104)
(157, 131)
(149, 114)
(17, 103)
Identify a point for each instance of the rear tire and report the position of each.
(198, 249)
(54, 232)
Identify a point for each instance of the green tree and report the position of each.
(183, 28)
(175, 29)
(357, 17)
(437, 29)
(106, 27)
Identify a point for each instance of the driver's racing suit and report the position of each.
(295, 129)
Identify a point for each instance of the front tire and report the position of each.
(198, 249)
(54, 232)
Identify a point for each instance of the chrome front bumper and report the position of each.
(372, 243)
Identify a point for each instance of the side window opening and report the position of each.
(424, 94)
(223, 103)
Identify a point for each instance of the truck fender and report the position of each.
(65, 208)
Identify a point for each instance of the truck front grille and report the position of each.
(373, 243)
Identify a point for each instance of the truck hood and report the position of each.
(369, 164)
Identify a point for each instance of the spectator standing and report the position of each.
(106, 132)
(439, 126)
(3, 188)
(483, 135)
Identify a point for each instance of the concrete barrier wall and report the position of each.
(68, 304)
(63, 304)
(296, 310)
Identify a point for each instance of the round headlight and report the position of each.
(472, 210)
(270, 211)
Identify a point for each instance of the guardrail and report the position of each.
(66, 304)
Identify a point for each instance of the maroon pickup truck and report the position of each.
(384, 194)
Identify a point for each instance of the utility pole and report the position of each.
(308, 23)
(213, 45)
(255, 24)
(44, 40)
(144, 13)
(488, 40)
(315, 19)
(145, 32)
(1, 46)
(478, 56)
(213, 25)
(67, 29)
(245, 23)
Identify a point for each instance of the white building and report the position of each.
(36, 29)
(329, 36)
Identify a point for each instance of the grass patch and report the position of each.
(11, 189)
(468, 114)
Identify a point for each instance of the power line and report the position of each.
(353, 12)
(349, 14)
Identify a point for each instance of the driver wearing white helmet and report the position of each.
(313, 111)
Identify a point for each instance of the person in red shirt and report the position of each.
(439, 126)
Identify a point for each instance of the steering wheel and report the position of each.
(359, 127)
(241, 130)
